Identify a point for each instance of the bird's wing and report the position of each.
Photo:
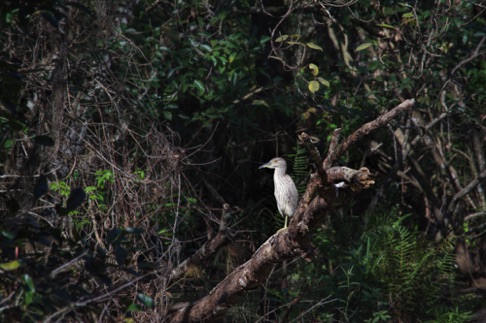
(291, 196)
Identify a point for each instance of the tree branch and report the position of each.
(283, 245)
(321, 195)
(367, 128)
(469, 187)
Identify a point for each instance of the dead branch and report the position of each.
(368, 127)
(332, 148)
(469, 187)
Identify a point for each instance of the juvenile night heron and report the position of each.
(285, 191)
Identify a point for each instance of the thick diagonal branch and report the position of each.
(366, 129)
(284, 245)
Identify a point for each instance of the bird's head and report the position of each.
(275, 163)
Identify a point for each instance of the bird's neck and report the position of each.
(279, 172)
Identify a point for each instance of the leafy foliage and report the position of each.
(383, 271)
(131, 131)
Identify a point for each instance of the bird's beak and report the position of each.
(263, 166)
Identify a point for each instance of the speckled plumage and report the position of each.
(285, 191)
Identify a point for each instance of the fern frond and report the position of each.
(300, 162)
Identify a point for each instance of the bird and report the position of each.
(285, 191)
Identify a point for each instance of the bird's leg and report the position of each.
(285, 224)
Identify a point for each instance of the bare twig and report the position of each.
(469, 187)
(474, 55)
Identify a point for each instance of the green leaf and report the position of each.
(207, 48)
(281, 38)
(363, 46)
(407, 15)
(385, 26)
(146, 300)
(11, 265)
(29, 282)
(314, 69)
(260, 102)
(314, 46)
(324, 82)
(314, 86)
(134, 308)
(7, 234)
(167, 115)
(200, 87)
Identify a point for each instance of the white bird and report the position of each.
(285, 191)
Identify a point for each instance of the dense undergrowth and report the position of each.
(130, 130)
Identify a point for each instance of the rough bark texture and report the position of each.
(321, 195)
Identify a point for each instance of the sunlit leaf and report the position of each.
(386, 26)
(281, 38)
(314, 86)
(11, 265)
(363, 46)
(307, 114)
(260, 102)
(314, 46)
(314, 69)
(324, 82)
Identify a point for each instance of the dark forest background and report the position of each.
(131, 131)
